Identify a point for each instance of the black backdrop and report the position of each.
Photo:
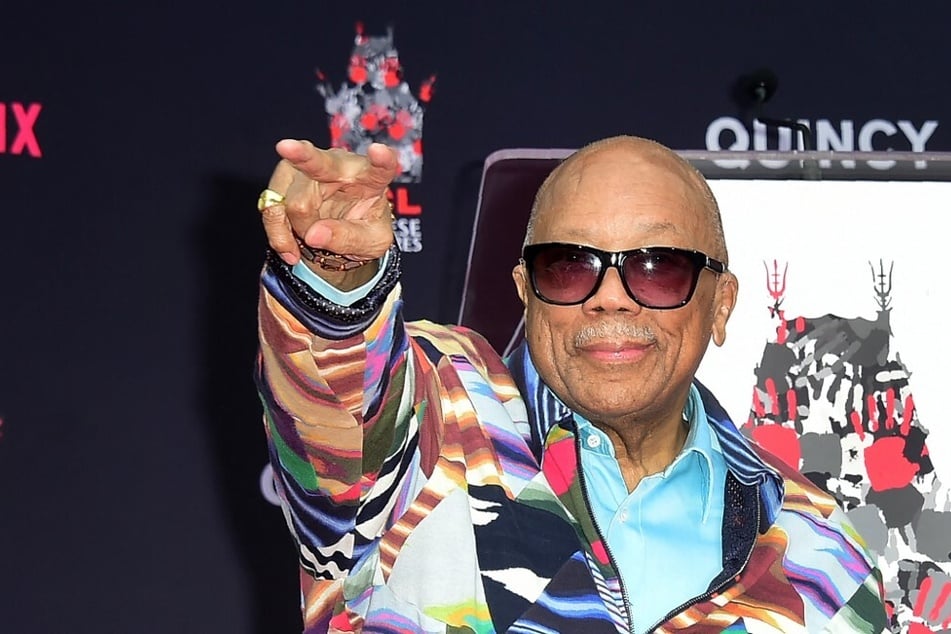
(131, 441)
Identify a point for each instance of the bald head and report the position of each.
(641, 154)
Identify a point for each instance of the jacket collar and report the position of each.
(545, 410)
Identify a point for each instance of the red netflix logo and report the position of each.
(17, 134)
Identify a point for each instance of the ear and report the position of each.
(520, 277)
(727, 289)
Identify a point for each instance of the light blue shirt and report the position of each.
(666, 535)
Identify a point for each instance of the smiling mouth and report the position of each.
(615, 351)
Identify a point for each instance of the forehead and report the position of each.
(619, 198)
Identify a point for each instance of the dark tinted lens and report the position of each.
(564, 275)
(660, 279)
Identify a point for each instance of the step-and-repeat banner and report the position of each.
(134, 140)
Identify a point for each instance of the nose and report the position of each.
(611, 295)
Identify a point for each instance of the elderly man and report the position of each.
(586, 484)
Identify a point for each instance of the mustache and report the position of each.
(612, 331)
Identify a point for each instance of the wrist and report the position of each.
(328, 318)
(328, 260)
(344, 280)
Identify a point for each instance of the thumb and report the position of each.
(354, 238)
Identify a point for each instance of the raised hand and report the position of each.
(333, 200)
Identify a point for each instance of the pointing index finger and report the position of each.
(312, 161)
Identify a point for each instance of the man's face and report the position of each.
(610, 359)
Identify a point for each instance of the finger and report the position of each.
(368, 210)
(371, 173)
(321, 165)
(302, 202)
(282, 176)
(280, 237)
(356, 238)
(384, 164)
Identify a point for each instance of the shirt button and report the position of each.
(622, 516)
(593, 441)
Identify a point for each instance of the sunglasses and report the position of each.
(654, 277)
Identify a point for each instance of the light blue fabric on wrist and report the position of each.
(334, 294)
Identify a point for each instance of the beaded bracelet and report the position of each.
(358, 313)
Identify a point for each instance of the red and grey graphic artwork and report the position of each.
(375, 105)
(833, 399)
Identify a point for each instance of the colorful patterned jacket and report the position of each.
(432, 488)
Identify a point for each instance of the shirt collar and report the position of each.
(700, 442)
(545, 410)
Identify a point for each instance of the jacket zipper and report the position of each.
(726, 583)
(607, 549)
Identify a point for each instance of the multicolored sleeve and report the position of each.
(335, 390)
(828, 562)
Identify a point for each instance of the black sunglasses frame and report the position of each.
(616, 259)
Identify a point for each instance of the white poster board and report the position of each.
(837, 277)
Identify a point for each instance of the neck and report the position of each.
(645, 448)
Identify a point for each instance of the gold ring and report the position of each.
(269, 198)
